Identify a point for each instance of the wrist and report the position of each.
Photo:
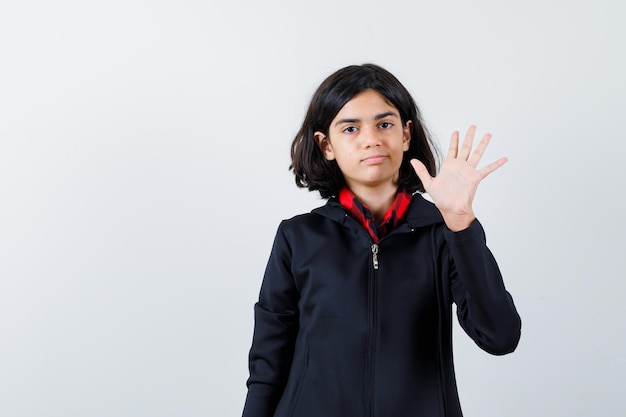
(456, 222)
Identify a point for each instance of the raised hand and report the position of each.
(453, 189)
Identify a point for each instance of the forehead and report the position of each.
(366, 103)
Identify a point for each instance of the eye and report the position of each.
(350, 129)
(386, 125)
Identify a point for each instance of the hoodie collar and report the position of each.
(420, 213)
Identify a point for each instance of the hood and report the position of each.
(421, 212)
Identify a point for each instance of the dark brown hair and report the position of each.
(313, 171)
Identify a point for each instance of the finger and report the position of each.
(479, 151)
(467, 143)
(488, 169)
(454, 145)
(422, 172)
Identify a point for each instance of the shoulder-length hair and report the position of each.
(313, 171)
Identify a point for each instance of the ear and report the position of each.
(406, 132)
(324, 144)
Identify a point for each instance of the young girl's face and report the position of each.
(367, 139)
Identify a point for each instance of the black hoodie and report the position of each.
(347, 328)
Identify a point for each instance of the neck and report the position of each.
(377, 199)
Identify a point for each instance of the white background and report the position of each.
(144, 148)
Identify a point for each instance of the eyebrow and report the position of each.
(377, 117)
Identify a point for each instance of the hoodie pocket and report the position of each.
(300, 382)
(291, 394)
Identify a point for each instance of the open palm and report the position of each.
(453, 189)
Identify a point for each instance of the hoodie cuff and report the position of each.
(474, 232)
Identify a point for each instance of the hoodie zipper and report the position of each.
(375, 255)
(372, 333)
(372, 329)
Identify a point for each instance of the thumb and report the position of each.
(422, 172)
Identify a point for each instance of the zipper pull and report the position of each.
(375, 255)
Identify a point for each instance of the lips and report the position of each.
(374, 159)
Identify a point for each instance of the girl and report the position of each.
(354, 317)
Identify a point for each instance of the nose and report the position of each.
(370, 137)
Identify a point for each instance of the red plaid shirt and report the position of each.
(363, 215)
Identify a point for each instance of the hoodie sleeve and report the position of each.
(275, 329)
(484, 308)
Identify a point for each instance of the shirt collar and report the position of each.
(364, 217)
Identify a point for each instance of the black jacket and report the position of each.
(344, 328)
